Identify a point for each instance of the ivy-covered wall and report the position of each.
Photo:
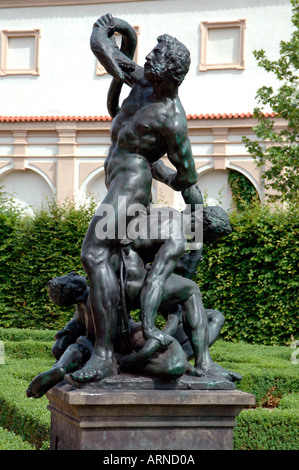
(244, 193)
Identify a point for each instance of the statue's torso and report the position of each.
(139, 126)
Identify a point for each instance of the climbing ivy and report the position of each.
(244, 193)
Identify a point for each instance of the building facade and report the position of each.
(54, 127)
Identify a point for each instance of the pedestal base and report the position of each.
(93, 418)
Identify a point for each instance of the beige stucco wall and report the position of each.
(67, 83)
(68, 156)
(64, 156)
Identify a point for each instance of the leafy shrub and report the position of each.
(265, 369)
(28, 419)
(269, 374)
(40, 248)
(267, 429)
(17, 334)
(290, 401)
(25, 357)
(27, 349)
(280, 158)
(11, 441)
(252, 276)
(9, 219)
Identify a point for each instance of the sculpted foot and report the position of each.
(44, 381)
(95, 369)
(194, 371)
(215, 369)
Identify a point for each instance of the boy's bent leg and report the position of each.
(71, 360)
(154, 288)
(196, 327)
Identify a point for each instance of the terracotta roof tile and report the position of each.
(52, 118)
(108, 118)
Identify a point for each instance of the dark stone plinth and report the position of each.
(140, 382)
(94, 418)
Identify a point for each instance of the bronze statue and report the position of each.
(150, 123)
(126, 272)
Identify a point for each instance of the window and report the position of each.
(100, 69)
(19, 52)
(222, 45)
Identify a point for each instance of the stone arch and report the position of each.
(215, 188)
(94, 186)
(29, 188)
(249, 176)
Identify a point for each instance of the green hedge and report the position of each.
(21, 415)
(267, 372)
(17, 334)
(267, 429)
(24, 359)
(290, 401)
(11, 441)
(252, 276)
(32, 251)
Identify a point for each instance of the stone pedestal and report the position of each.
(118, 418)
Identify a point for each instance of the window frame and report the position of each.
(204, 66)
(5, 36)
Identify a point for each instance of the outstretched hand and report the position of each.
(105, 49)
(106, 21)
(103, 45)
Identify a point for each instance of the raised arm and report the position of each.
(117, 62)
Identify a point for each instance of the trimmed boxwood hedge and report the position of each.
(267, 429)
(265, 369)
(267, 372)
(17, 334)
(21, 415)
(11, 441)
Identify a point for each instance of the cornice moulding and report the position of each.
(50, 3)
